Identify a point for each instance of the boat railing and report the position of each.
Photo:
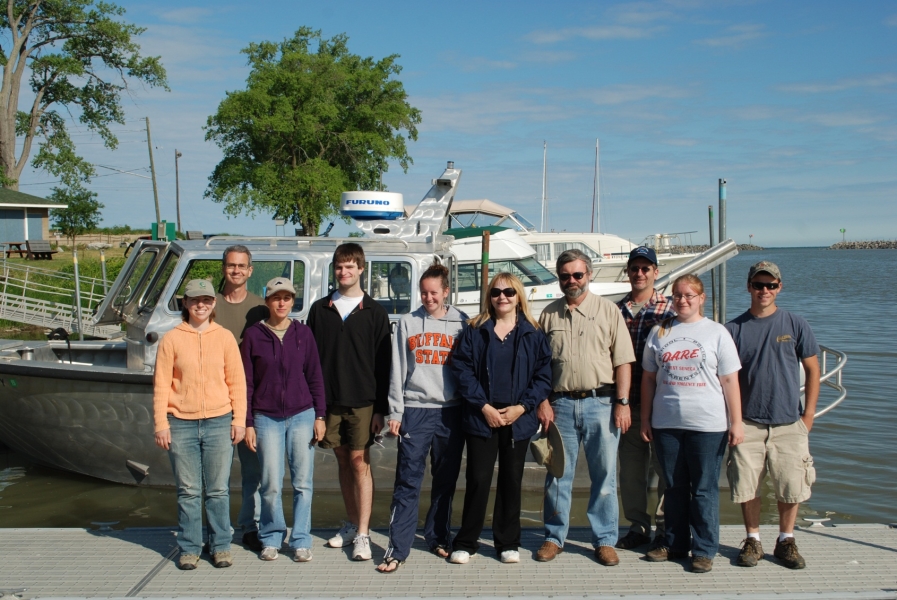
(831, 378)
(273, 240)
(46, 298)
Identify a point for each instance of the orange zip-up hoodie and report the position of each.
(198, 376)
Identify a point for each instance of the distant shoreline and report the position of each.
(703, 247)
(875, 245)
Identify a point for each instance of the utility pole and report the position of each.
(149, 144)
(596, 194)
(177, 187)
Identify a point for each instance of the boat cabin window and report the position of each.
(137, 278)
(262, 272)
(528, 270)
(159, 282)
(526, 225)
(543, 252)
(559, 247)
(388, 282)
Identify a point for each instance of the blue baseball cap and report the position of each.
(644, 252)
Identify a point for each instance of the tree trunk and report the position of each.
(310, 227)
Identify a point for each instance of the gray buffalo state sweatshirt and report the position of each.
(421, 351)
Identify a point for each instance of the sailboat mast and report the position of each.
(544, 222)
(596, 199)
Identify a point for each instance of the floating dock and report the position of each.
(844, 561)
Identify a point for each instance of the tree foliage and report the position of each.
(82, 214)
(80, 57)
(313, 121)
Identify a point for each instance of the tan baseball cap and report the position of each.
(279, 284)
(199, 287)
(765, 266)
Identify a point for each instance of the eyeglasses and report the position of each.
(508, 292)
(638, 269)
(688, 297)
(759, 285)
(566, 276)
(235, 267)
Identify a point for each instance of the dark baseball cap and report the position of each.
(643, 252)
(765, 266)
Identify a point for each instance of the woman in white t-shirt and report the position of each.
(691, 407)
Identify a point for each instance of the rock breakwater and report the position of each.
(874, 245)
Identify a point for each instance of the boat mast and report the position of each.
(595, 193)
(544, 222)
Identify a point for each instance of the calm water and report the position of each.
(853, 446)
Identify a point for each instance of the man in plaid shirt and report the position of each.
(642, 309)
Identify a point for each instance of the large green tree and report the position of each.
(313, 121)
(79, 57)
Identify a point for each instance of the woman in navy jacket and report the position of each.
(502, 365)
(285, 415)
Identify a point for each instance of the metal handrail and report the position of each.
(826, 377)
(272, 240)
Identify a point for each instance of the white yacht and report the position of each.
(608, 252)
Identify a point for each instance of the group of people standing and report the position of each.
(648, 380)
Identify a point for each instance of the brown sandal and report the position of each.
(441, 551)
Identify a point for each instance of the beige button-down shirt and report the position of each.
(587, 342)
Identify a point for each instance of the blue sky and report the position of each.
(794, 103)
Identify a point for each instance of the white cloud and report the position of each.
(870, 81)
(839, 119)
(627, 93)
(479, 63)
(186, 14)
(603, 32)
(547, 56)
(737, 35)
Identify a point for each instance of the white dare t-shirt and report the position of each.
(345, 304)
(688, 361)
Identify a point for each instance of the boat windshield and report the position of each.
(262, 272)
(524, 224)
(528, 270)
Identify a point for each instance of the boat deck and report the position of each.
(854, 561)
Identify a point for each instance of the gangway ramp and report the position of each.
(46, 298)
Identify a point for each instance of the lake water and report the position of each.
(843, 294)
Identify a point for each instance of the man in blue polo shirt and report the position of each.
(773, 345)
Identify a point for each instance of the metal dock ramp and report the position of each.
(853, 561)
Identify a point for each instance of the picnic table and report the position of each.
(15, 247)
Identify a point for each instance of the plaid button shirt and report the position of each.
(658, 308)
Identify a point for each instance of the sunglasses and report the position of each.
(638, 269)
(759, 285)
(508, 292)
(566, 276)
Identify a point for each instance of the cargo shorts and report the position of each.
(348, 426)
(783, 451)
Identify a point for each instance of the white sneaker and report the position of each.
(459, 557)
(362, 547)
(510, 556)
(268, 553)
(302, 555)
(344, 536)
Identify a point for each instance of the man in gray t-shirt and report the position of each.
(773, 346)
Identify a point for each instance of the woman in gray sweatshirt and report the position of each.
(425, 414)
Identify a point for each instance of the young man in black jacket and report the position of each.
(352, 333)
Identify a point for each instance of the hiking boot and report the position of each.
(701, 564)
(302, 555)
(786, 552)
(607, 556)
(751, 553)
(222, 560)
(188, 562)
(362, 547)
(344, 537)
(251, 541)
(548, 552)
(268, 553)
(631, 540)
(663, 553)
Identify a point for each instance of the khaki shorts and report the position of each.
(781, 450)
(348, 426)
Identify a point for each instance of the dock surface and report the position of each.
(853, 561)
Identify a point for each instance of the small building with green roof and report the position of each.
(24, 217)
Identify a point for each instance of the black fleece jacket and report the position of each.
(355, 353)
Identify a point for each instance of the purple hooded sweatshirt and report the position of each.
(282, 379)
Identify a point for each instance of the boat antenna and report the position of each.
(544, 222)
(596, 200)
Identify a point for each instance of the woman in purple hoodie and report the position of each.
(285, 415)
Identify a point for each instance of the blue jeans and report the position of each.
(290, 436)
(201, 454)
(588, 421)
(436, 432)
(690, 461)
(251, 479)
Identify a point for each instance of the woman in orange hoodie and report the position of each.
(199, 406)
